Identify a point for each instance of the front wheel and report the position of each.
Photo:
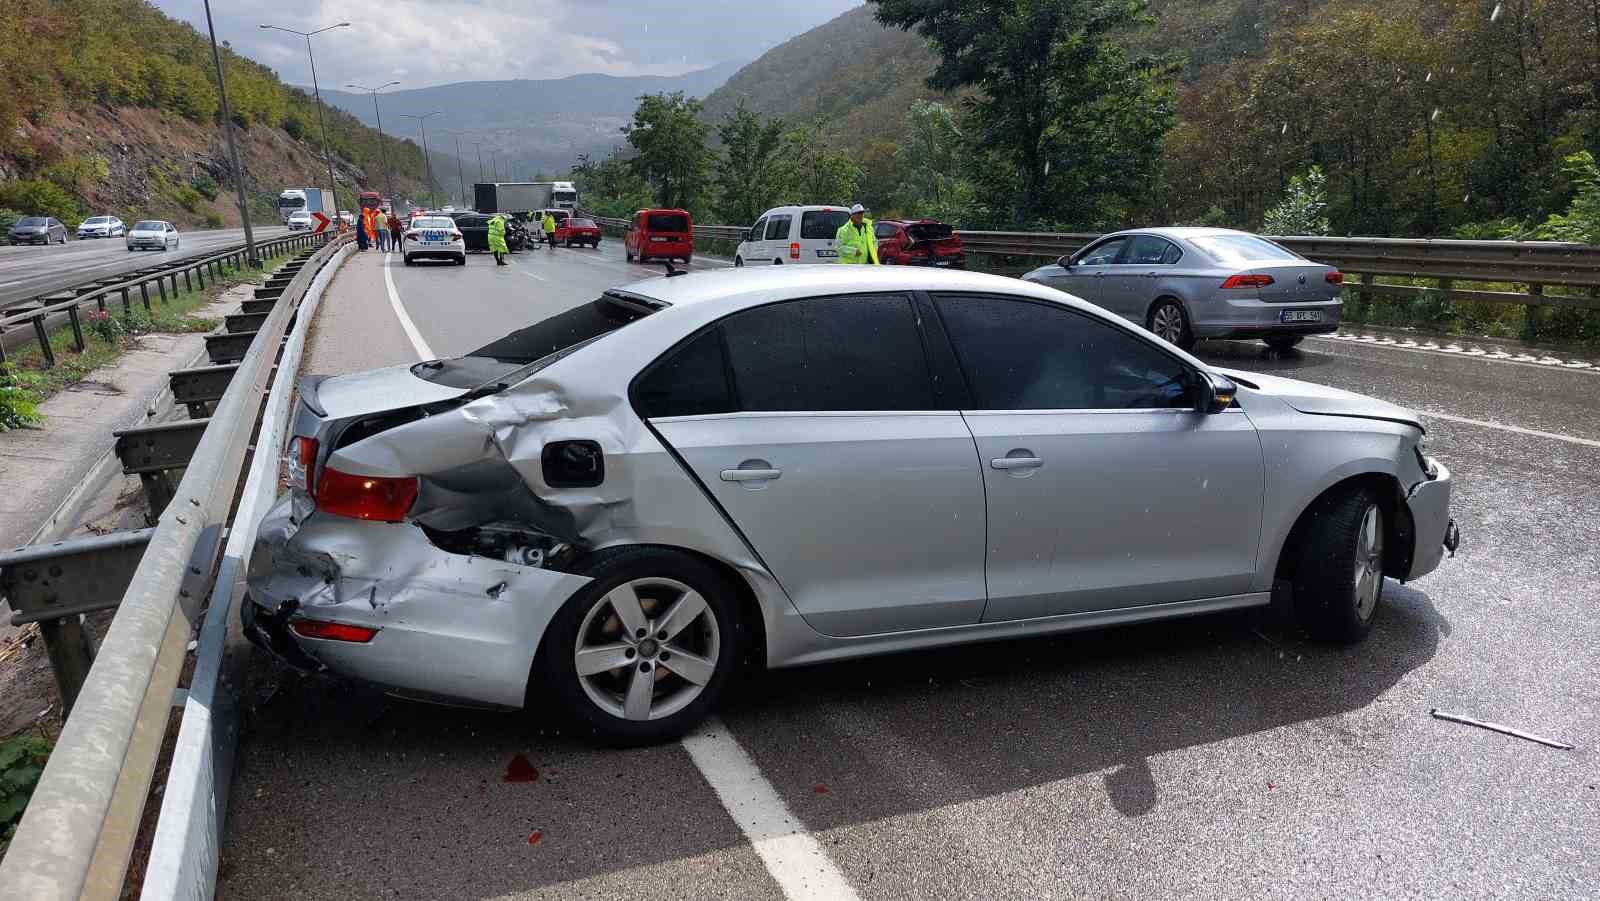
(643, 653)
(1171, 324)
(1338, 581)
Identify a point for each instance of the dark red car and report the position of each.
(923, 242)
(661, 235)
(575, 231)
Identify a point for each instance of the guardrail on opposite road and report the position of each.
(76, 837)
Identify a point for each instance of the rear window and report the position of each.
(564, 331)
(668, 222)
(581, 223)
(1233, 249)
(150, 225)
(433, 222)
(929, 231)
(31, 220)
(822, 223)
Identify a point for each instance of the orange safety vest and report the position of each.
(369, 223)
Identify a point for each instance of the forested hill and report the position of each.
(111, 107)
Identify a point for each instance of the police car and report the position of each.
(433, 238)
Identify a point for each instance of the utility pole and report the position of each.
(383, 145)
(479, 147)
(461, 177)
(422, 120)
(250, 254)
(327, 152)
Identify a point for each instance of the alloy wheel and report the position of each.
(647, 649)
(1368, 562)
(1168, 323)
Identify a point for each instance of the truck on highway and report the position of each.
(518, 198)
(314, 200)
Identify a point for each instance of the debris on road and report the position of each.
(1496, 727)
(520, 770)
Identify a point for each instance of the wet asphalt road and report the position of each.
(1220, 757)
(29, 271)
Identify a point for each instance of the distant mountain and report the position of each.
(530, 125)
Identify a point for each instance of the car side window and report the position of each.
(758, 231)
(778, 228)
(1147, 250)
(1103, 254)
(692, 380)
(1019, 354)
(1173, 255)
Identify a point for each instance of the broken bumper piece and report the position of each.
(446, 625)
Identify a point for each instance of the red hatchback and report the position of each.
(577, 231)
(920, 243)
(661, 235)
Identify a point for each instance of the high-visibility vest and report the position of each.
(856, 245)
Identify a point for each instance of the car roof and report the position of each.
(1180, 231)
(734, 289)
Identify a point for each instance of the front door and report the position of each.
(1106, 488)
(815, 426)
(1089, 276)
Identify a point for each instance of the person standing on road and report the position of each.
(497, 240)
(855, 241)
(550, 229)
(378, 225)
(394, 230)
(362, 238)
(369, 226)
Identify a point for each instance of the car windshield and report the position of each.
(434, 222)
(1235, 249)
(31, 220)
(668, 222)
(150, 225)
(822, 223)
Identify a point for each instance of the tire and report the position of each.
(1338, 581)
(462, 260)
(628, 254)
(603, 702)
(738, 262)
(1283, 342)
(1170, 323)
(777, 262)
(407, 258)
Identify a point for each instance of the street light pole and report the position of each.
(233, 149)
(422, 121)
(327, 152)
(461, 177)
(479, 148)
(388, 174)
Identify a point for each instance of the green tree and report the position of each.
(1058, 100)
(671, 143)
(814, 168)
(930, 159)
(750, 147)
(1581, 221)
(1303, 209)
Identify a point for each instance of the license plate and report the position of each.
(942, 262)
(658, 240)
(827, 254)
(1300, 316)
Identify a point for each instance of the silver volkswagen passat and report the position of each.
(621, 505)
(1190, 283)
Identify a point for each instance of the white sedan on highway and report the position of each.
(433, 238)
(153, 234)
(299, 220)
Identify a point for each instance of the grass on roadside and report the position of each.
(22, 759)
(26, 381)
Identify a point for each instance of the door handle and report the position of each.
(1007, 463)
(750, 475)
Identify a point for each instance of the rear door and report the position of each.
(817, 231)
(815, 425)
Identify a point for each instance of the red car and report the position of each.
(577, 231)
(660, 234)
(923, 242)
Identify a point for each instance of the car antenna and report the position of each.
(672, 270)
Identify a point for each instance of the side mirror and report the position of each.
(1215, 392)
(1064, 261)
(749, 234)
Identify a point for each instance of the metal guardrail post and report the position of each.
(161, 289)
(77, 330)
(44, 340)
(1533, 317)
(71, 654)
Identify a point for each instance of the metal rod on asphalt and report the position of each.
(1496, 727)
(327, 152)
(388, 174)
(233, 150)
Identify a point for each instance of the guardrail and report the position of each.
(193, 269)
(1536, 264)
(77, 835)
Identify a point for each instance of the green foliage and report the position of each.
(8, 218)
(19, 407)
(1303, 209)
(1072, 120)
(106, 326)
(610, 187)
(38, 197)
(749, 161)
(812, 167)
(670, 141)
(22, 760)
(206, 185)
(930, 159)
(211, 219)
(295, 127)
(1581, 221)
(188, 198)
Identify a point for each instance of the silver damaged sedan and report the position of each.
(622, 505)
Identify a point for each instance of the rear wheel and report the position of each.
(407, 258)
(738, 262)
(1338, 581)
(1283, 342)
(1171, 324)
(643, 652)
(628, 255)
(777, 262)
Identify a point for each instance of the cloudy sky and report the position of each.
(425, 42)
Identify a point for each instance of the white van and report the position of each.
(793, 234)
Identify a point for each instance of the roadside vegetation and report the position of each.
(22, 759)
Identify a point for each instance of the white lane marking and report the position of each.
(1536, 433)
(1436, 350)
(795, 860)
(537, 278)
(423, 350)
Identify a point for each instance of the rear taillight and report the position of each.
(794, 250)
(411, 236)
(1334, 277)
(455, 236)
(1247, 281)
(316, 628)
(301, 462)
(365, 497)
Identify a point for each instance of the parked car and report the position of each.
(475, 230)
(37, 230)
(660, 235)
(793, 468)
(792, 234)
(101, 227)
(433, 238)
(299, 220)
(153, 234)
(1190, 283)
(922, 242)
(578, 232)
